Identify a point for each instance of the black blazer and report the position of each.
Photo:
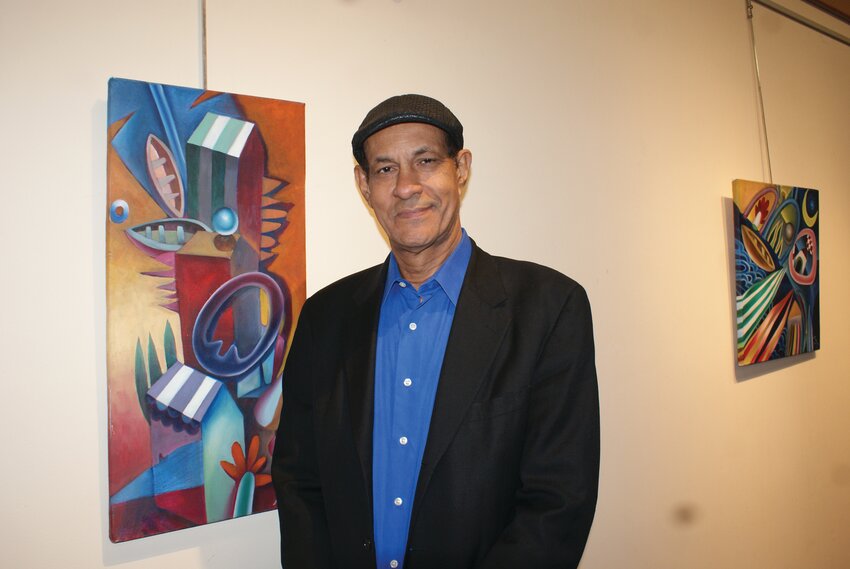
(510, 470)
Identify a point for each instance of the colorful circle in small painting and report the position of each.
(119, 211)
(803, 259)
(225, 221)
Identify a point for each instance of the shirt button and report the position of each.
(407, 382)
(412, 326)
(403, 440)
(398, 501)
(394, 564)
(402, 284)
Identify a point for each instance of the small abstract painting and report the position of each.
(777, 264)
(205, 276)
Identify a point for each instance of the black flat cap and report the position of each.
(406, 108)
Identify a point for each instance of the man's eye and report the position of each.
(384, 170)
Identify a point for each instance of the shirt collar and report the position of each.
(449, 276)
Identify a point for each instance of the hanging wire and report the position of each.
(802, 20)
(758, 83)
(204, 44)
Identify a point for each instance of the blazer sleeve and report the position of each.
(559, 471)
(304, 535)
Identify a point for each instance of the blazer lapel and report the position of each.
(361, 336)
(478, 328)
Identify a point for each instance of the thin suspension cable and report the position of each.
(758, 83)
(204, 44)
(811, 24)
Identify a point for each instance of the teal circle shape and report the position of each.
(225, 221)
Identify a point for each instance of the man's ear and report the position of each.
(362, 181)
(464, 163)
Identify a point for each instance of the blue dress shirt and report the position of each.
(413, 331)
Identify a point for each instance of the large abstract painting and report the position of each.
(776, 270)
(205, 277)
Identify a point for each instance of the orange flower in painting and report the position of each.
(252, 463)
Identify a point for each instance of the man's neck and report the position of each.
(418, 266)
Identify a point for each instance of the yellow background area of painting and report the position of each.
(743, 192)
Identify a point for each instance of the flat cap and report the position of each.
(402, 109)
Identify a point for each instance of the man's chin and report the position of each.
(418, 242)
(413, 245)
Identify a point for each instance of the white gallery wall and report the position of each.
(605, 138)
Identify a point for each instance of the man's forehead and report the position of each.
(379, 158)
(405, 138)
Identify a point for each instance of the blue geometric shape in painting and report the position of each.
(225, 221)
(140, 487)
(257, 380)
(119, 211)
(168, 113)
(169, 475)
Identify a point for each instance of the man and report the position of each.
(440, 410)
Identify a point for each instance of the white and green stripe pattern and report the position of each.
(212, 162)
(753, 304)
(222, 134)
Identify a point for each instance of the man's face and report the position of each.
(413, 186)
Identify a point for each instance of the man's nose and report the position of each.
(407, 183)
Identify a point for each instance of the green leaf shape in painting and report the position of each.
(243, 504)
(153, 361)
(169, 346)
(142, 384)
